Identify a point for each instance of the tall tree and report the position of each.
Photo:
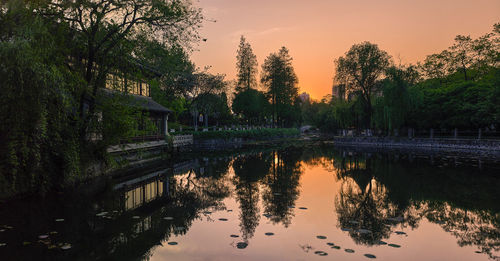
(280, 80)
(246, 64)
(360, 69)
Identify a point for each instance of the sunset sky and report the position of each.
(319, 31)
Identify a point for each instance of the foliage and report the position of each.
(252, 105)
(360, 69)
(245, 134)
(280, 80)
(247, 67)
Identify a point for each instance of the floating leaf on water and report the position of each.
(66, 247)
(291, 206)
(346, 229)
(321, 253)
(223, 219)
(394, 245)
(25, 243)
(364, 231)
(2, 230)
(336, 247)
(136, 217)
(3, 244)
(51, 246)
(321, 237)
(60, 220)
(396, 219)
(382, 242)
(241, 245)
(229, 210)
(172, 243)
(234, 236)
(179, 228)
(477, 251)
(277, 194)
(400, 233)
(8, 227)
(101, 214)
(168, 218)
(302, 208)
(370, 256)
(353, 222)
(53, 232)
(269, 233)
(43, 236)
(349, 250)
(207, 212)
(267, 215)
(330, 244)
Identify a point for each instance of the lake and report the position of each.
(298, 203)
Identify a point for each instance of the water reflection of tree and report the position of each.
(248, 171)
(375, 189)
(281, 186)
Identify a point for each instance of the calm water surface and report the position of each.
(294, 204)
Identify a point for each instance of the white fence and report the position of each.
(182, 140)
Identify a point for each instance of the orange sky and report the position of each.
(319, 31)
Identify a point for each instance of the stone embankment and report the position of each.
(468, 145)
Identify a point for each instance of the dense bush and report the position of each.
(245, 134)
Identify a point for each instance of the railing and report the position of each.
(182, 140)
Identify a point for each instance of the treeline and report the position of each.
(457, 88)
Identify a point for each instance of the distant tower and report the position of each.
(304, 97)
(339, 92)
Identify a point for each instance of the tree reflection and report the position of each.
(281, 186)
(378, 193)
(248, 171)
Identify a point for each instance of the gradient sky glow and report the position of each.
(318, 31)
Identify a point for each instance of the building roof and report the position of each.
(147, 104)
(143, 102)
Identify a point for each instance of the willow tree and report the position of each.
(106, 32)
(360, 69)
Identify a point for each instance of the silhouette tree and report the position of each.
(246, 65)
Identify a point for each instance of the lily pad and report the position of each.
(53, 232)
(179, 228)
(349, 250)
(346, 229)
(136, 217)
(330, 244)
(267, 215)
(400, 233)
(269, 234)
(207, 212)
(277, 194)
(173, 243)
(353, 222)
(394, 245)
(477, 251)
(25, 243)
(363, 231)
(321, 253)
(382, 242)
(229, 210)
(101, 214)
(396, 219)
(3, 244)
(291, 206)
(336, 247)
(234, 236)
(320, 237)
(43, 236)
(370, 256)
(168, 218)
(66, 247)
(60, 220)
(223, 219)
(241, 245)
(303, 208)
(2, 230)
